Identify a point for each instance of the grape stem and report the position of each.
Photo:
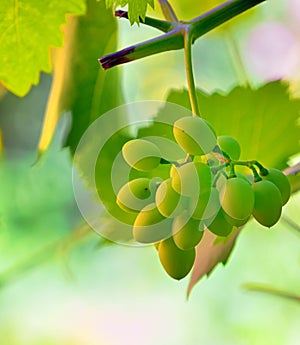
(219, 174)
(168, 11)
(262, 170)
(190, 72)
(232, 171)
(249, 164)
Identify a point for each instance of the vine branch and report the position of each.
(173, 39)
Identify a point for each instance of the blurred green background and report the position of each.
(60, 284)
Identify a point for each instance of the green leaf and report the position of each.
(264, 121)
(28, 28)
(80, 85)
(136, 8)
(88, 92)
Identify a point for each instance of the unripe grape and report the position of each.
(175, 261)
(191, 179)
(194, 135)
(173, 169)
(186, 232)
(237, 198)
(230, 146)
(268, 203)
(243, 177)
(169, 149)
(167, 200)
(207, 205)
(141, 154)
(219, 225)
(135, 195)
(234, 221)
(150, 226)
(222, 180)
(210, 126)
(281, 182)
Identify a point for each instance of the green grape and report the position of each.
(194, 135)
(268, 203)
(135, 195)
(243, 177)
(186, 232)
(230, 146)
(141, 154)
(191, 179)
(281, 182)
(168, 202)
(150, 226)
(219, 226)
(169, 149)
(237, 198)
(234, 221)
(175, 261)
(207, 205)
(222, 180)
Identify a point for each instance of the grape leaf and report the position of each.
(265, 122)
(80, 85)
(209, 253)
(28, 28)
(136, 8)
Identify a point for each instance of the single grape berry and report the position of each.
(194, 135)
(150, 226)
(141, 154)
(176, 262)
(281, 182)
(244, 177)
(230, 146)
(219, 226)
(167, 200)
(237, 198)
(135, 195)
(268, 203)
(186, 232)
(191, 179)
(207, 205)
(234, 221)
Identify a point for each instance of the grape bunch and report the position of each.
(205, 190)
